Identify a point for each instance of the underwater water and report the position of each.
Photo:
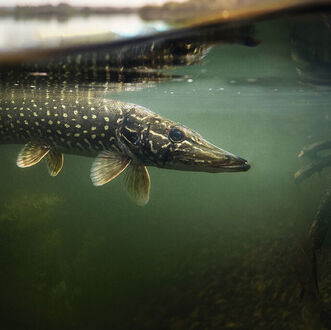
(209, 251)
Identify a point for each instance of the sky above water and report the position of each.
(111, 3)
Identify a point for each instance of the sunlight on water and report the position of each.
(31, 33)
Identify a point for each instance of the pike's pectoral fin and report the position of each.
(137, 183)
(107, 166)
(31, 154)
(54, 162)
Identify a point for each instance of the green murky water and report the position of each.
(209, 251)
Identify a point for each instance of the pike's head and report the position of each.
(152, 140)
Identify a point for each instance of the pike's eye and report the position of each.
(176, 135)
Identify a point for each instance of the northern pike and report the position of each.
(120, 135)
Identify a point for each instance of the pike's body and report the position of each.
(72, 124)
(120, 135)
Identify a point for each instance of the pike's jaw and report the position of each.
(208, 158)
(236, 168)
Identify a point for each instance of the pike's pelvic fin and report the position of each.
(31, 154)
(137, 183)
(107, 166)
(54, 162)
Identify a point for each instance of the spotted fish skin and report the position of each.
(81, 125)
(73, 124)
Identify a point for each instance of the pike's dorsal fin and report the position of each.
(107, 166)
(54, 162)
(31, 154)
(137, 183)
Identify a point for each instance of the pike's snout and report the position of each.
(206, 157)
(224, 161)
(234, 163)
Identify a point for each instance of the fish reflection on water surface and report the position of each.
(55, 107)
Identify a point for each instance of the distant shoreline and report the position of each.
(61, 11)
